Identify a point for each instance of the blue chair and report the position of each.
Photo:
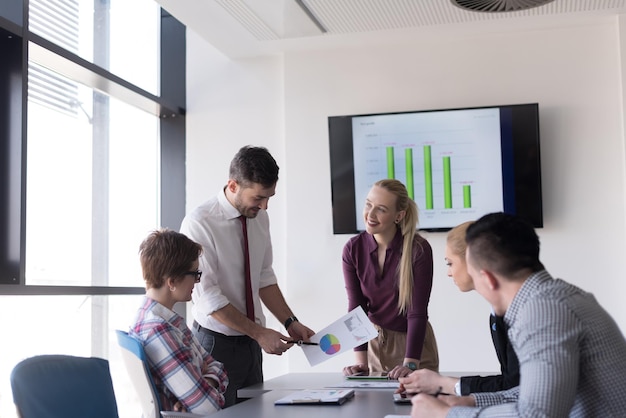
(62, 386)
(136, 363)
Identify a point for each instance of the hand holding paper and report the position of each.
(351, 330)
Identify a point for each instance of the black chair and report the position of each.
(61, 386)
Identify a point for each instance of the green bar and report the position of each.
(467, 196)
(391, 169)
(447, 183)
(428, 177)
(408, 156)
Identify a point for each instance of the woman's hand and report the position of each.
(178, 407)
(399, 371)
(356, 370)
(422, 380)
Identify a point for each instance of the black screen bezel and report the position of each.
(521, 165)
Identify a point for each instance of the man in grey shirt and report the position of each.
(572, 354)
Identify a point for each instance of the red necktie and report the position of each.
(246, 259)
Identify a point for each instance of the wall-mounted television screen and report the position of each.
(457, 164)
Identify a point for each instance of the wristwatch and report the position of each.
(290, 321)
(410, 365)
(457, 387)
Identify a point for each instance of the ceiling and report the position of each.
(243, 28)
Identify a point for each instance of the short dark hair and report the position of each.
(166, 253)
(504, 244)
(254, 165)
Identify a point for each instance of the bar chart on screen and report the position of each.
(449, 170)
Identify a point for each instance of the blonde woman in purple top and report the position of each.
(388, 271)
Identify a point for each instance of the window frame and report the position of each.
(169, 106)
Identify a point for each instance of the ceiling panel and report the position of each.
(259, 27)
(352, 16)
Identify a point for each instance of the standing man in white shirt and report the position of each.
(228, 317)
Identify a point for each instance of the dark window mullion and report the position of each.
(11, 157)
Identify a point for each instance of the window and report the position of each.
(120, 36)
(92, 158)
(92, 182)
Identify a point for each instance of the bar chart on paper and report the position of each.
(442, 167)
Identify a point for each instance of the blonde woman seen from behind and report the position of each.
(430, 382)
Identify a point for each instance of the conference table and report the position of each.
(366, 403)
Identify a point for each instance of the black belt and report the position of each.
(239, 339)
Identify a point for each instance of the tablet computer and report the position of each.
(402, 397)
(371, 376)
(321, 396)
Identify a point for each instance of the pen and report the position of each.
(440, 392)
(300, 342)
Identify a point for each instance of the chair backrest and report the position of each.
(61, 386)
(137, 366)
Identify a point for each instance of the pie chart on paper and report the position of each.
(330, 344)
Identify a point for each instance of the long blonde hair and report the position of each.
(408, 228)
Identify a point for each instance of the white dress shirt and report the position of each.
(215, 225)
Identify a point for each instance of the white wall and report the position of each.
(574, 74)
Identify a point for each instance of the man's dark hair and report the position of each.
(254, 165)
(504, 244)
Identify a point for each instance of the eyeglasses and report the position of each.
(197, 274)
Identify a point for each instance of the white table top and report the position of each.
(295, 381)
(366, 404)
